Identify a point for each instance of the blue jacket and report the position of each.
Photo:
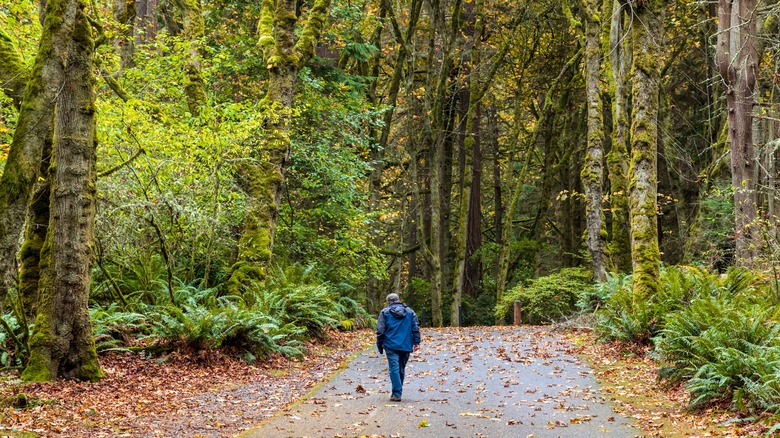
(397, 328)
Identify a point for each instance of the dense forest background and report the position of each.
(263, 170)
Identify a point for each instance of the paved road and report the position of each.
(470, 382)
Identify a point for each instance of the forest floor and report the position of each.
(629, 377)
(216, 395)
(206, 395)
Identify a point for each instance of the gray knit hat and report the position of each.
(392, 298)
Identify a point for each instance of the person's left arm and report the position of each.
(415, 332)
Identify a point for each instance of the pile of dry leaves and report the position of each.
(173, 395)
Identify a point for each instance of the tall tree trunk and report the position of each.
(125, 14)
(13, 72)
(437, 137)
(473, 58)
(617, 158)
(473, 271)
(593, 168)
(737, 61)
(262, 178)
(32, 135)
(194, 28)
(148, 11)
(62, 343)
(373, 237)
(643, 173)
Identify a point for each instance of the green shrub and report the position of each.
(14, 333)
(627, 318)
(592, 299)
(355, 316)
(719, 335)
(200, 328)
(13, 341)
(633, 319)
(478, 311)
(724, 347)
(114, 328)
(548, 298)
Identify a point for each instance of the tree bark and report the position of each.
(473, 58)
(32, 135)
(62, 344)
(737, 60)
(593, 168)
(617, 159)
(643, 173)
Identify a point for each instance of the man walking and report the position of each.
(397, 334)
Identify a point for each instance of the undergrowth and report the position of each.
(716, 334)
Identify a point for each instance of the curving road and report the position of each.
(468, 382)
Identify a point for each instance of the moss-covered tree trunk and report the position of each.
(261, 179)
(593, 167)
(62, 344)
(13, 72)
(643, 178)
(32, 134)
(193, 32)
(619, 248)
(737, 61)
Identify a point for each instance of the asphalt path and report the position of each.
(468, 382)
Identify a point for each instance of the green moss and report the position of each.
(90, 370)
(37, 369)
(244, 274)
(13, 71)
(314, 27)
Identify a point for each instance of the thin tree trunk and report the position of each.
(593, 168)
(194, 28)
(617, 158)
(62, 344)
(737, 61)
(473, 272)
(125, 14)
(467, 162)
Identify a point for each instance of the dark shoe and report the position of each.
(394, 398)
